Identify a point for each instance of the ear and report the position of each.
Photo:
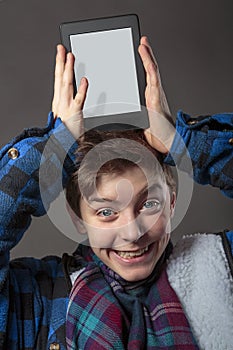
(78, 223)
(172, 204)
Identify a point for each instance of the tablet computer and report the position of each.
(106, 52)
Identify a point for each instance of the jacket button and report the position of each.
(54, 346)
(192, 122)
(230, 141)
(13, 153)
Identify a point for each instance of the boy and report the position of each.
(124, 200)
(41, 304)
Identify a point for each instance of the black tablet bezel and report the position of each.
(129, 120)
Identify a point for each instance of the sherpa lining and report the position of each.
(199, 273)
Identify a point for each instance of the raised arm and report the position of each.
(22, 164)
(20, 159)
(207, 140)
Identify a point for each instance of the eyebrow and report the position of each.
(152, 188)
(100, 200)
(143, 191)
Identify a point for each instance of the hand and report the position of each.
(161, 132)
(65, 105)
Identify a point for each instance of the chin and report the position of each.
(134, 276)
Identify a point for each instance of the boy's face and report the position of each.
(128, 225)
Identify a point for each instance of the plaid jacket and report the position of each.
(33, 292)
(209, 144)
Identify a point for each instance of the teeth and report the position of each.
(128, 255)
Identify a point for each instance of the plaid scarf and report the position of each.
(107, 312)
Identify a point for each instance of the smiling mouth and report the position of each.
(130, 254)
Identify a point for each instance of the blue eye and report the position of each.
(106, 212)
(152, 204)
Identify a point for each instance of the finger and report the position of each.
(145, 60)
(81, 93)
(68, 76)
(152, 75)
(60, 60)
(145, 55)
(60, 64)
(145, 41)
(69, 69)
(58, 74)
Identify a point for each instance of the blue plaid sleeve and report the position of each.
(22, 161)
(208, 141)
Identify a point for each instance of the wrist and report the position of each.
(75, 125)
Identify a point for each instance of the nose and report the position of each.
(131, 230)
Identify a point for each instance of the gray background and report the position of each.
(192, 41)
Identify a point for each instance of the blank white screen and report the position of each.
(107, 59)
